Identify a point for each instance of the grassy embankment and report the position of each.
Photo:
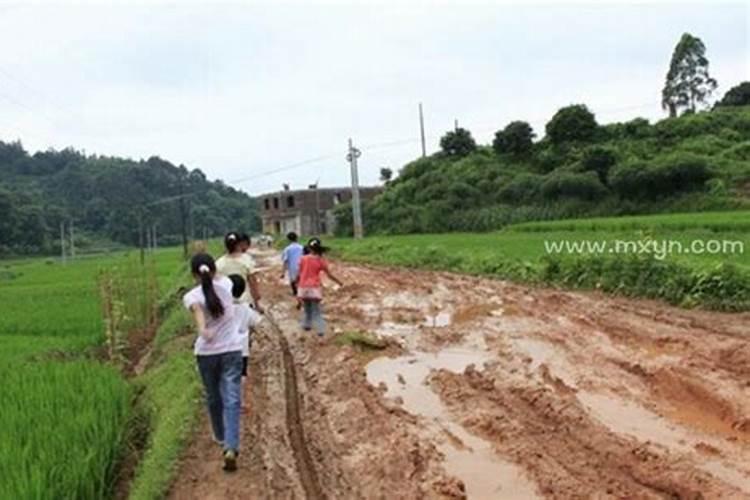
(713, 280)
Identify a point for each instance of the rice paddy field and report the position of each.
(690, 259)
(64, 412)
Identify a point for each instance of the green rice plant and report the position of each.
(63, 425)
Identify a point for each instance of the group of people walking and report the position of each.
(226, 306)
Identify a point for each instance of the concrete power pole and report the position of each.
(421, 130)
(355, 153)
(72, 242)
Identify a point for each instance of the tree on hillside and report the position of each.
(386, 174)
(600, 160)
(572, 123)
(516, 138)
(458, 143)
(688, 82)
(739, 95)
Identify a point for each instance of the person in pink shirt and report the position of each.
(309, 288)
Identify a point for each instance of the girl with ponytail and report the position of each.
(238, 261)
(218, 351)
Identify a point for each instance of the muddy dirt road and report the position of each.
(487, 390)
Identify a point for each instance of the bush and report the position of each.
(669, 175)
(599, 160)
(571, 185)
(524, 188)
(572, 123)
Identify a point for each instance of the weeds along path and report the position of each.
(486, 389)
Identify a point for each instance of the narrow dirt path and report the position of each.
(487, 390)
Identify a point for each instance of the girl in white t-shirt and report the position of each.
(218, 351)
(237, 261)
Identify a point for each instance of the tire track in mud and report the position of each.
(305, 467)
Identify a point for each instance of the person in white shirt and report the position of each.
(218, 351)
(237, 261)
(247, 318)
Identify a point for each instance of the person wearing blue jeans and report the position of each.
(222, 378)
(313, 316)
(218, 352)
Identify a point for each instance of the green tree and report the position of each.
(688, 82)
(516, 138)
(600, 160)
(386, 174)
(458, 143)
(739, 95)
(572, 123)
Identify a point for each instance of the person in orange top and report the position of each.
(309, 289)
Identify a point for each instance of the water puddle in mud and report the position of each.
(627, 417)
(484, 474)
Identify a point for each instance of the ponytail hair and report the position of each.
(203, 266)
(232, 241)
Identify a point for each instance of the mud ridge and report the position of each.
(307, 473)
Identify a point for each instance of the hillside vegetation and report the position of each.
(104, 198)
(694, 162)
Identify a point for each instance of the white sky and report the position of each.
(238, 90)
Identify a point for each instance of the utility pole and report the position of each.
(421, 130)
(140, 236)
(183, 220)
(153, 237)
(355, 153)
(72, 242)
(455, 125)
(62, 241)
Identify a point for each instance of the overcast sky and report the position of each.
(241, 90)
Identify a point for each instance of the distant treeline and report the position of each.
(697, 161)
(105, 198)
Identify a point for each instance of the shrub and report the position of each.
(523, 188)
(571, 185)
(599, 160)
(669, 175)
(572, 123)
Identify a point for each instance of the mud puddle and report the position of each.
(468, 457)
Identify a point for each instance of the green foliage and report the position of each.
(516, 138)
(63, 427)
(363, 341)
(458, 143)
(739, 95)
(105, 196)
(665, 176)
(656, 168)
(523, 188)
(170, 397)
(717, 281)
(572, 123)
(688, 82)
(571, 185)
(600, 160)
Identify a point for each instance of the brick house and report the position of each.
(306, 211)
